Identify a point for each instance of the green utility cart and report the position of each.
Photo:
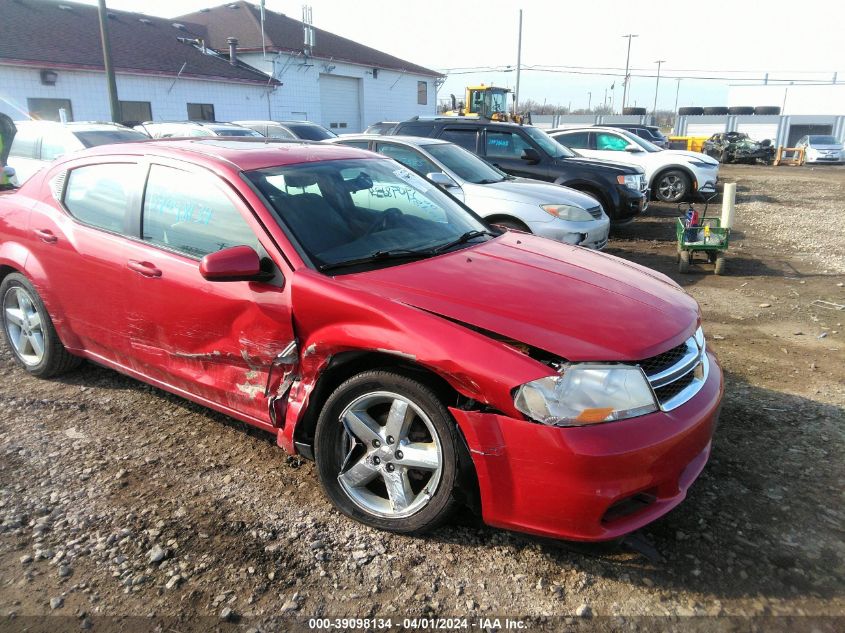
(709, 238)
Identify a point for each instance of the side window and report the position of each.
(189, 213)
(58, 144)
(505, 144)
(575, 140)
(273, 131)
(407, 157)
(25, 144)
(466, 138)
(100, 195)
(611, 142)
(357, 144)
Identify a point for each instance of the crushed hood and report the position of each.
(573, 302)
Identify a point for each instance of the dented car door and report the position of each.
(217, 340)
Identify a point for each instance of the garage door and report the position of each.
(340, 103)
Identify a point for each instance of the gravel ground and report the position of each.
(123, 507)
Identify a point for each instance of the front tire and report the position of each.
(386, 453)
(672, 186)
(29, 330)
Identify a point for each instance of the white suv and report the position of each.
(673, 175)
(37, 143)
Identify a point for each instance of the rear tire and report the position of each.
(683, 261)
(386, 452)
(29, 330)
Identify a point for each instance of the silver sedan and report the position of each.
(548, 210)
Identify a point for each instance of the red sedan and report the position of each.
(376, 325)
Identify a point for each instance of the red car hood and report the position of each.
(572, 302)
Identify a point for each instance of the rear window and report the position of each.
(310, 132)
(25, 144)
(105, 137)
(99, 195)
(415, 128)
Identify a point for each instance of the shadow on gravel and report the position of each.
(757, 523)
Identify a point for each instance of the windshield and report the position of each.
(823, 140)
(310, 132)
(646, 145)
(345, 210)
(233, 131)
(104, 137)
(548, 144)
(465, 164)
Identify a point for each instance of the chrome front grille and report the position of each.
(595, 212)
(679, 373)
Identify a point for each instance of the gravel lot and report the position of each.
(122, 506)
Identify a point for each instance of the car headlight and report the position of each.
(632, 182)
(567, 212)
(587, 393)
(702, 164)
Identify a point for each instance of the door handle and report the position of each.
(144, 268)
(45, 235)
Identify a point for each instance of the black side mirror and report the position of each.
(531, 155)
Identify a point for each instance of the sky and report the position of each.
(581, 44)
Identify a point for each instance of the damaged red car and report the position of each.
(373, 323)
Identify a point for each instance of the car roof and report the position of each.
(81, 126)
(463, 120)
(416, 141)
(242, 153)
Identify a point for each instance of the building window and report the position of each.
(422, 92)
(48, 109)
(135, 112)
(201, 112)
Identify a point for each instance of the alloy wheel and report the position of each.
(671, 187)
(394, 459)
(24, 325)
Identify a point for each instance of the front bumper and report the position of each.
(824, 158)
(590, 483)
(630, 204)
(591, 235)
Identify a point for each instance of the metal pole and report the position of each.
(677, 92)
(110, 80)
(627, 76)
(589, 100)
(659, 62)
(728, 201)
(518, 65)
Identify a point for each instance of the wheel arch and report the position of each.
(499, 217)
(344, 365)
(590, 189)
(347, 364)
(689, 173)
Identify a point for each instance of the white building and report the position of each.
(50, 59)
(168, 70)
(334, 81)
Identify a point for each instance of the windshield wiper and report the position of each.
(466, 237)
(488, 181)
(378, 256)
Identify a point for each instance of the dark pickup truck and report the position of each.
(528, 152)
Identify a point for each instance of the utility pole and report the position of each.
(589, 100)
(659, 62)
(627, 76)
(110, 80)
(518, 65)
(677, 92)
